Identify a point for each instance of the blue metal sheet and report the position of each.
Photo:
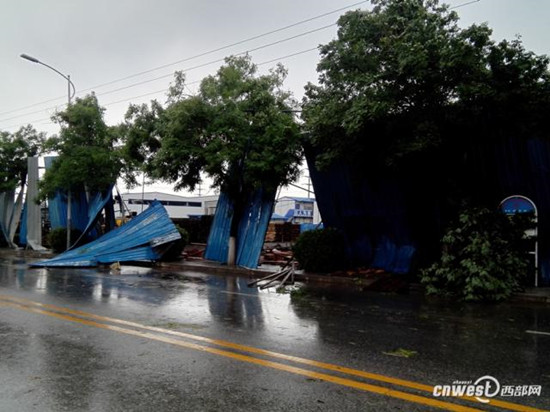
(138, 254)
(131, 242)
(384, 218)
(23, 227)
(57, 206)
(217, 244)
(252, 228)
(98, 202)
(373, 217)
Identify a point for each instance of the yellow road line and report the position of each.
(250, 349)
(249, 359)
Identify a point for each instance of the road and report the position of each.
(146, 339)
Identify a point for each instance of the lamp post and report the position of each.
(70, 96)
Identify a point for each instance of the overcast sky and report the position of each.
(99, 43)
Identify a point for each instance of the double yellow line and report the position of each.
(213, 346)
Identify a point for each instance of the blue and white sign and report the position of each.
(303, 213)
(517, 204)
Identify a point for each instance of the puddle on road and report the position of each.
(188, 301)
(300, 315)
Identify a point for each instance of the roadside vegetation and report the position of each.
(483, 259)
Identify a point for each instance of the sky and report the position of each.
(126, 51)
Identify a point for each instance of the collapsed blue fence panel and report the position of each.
(98, 202)
(389, 221)
(135, 241)
(57, 206)
(217, 244)
(23, 227)
(372, 218)
(252, 228)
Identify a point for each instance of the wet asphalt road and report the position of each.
(170, 358)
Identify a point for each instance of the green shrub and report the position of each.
(320, 250)
(175, 249)
(57, 239)
(484, 257)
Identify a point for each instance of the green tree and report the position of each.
(14, 150)
(238, 130)
(403, 82)
(87, 155)
(485, 257)
(409, 100)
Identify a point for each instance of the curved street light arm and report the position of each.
(68, 78)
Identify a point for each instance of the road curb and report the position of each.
(300, 276)
(530, 298)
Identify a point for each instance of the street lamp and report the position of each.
(70, 96)
(66, 77)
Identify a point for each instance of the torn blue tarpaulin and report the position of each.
(141, 239)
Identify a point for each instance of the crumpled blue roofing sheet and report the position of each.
(137, 240)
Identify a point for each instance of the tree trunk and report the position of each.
(232, 251)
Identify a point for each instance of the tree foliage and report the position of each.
(403, 80)
(87, 156)
(14, 150)
(485, 257)
(237, 129)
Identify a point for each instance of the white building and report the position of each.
(298, 209)
(178, 207)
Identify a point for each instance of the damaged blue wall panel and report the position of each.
(98, 202)
(133, 241)
(57, 206)
(218, 238)
(372, 217)
(23, 227)
(138, 254)
(252, 228)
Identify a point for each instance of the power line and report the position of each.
(218, 60)
(165, 89)
(464, 4)
(193, 57)
(264, 46)
(198, 81)
(227, 46)
(201, 65)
